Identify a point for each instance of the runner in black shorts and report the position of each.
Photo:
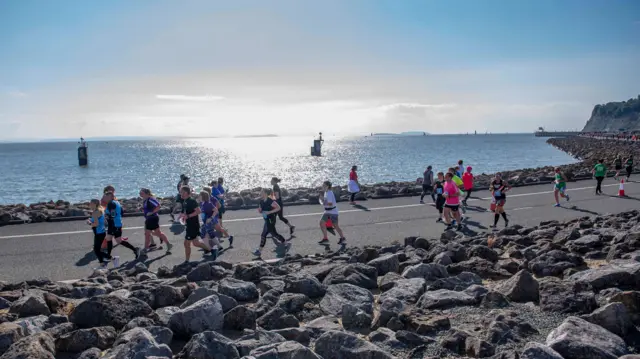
(191, 217)
(438, 189)
(498, 189)
(151, 207)
(277, 195)
(629, 167)
(617, 163)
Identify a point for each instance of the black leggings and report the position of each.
(468, 194)
(629, 170)
(270, 228)
(281, 215)
(599, 179)
(440, 204)
(97, 247)
(427, 190)
(352, 198)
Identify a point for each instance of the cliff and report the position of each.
(615, 116)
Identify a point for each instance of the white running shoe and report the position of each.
(116, 261)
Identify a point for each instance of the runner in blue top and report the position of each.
(151, 207)
(114, 220)
(97, 223)
(222, 208)
(217, 194)
(219, 230)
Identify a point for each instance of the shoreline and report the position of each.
(583, 149)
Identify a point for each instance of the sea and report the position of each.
(43, 171)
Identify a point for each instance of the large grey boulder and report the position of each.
(31, 304)
(304, 283)
(83, 339)
(9, 334)
(108, 310)
(358, 274)
(209, 345)
(613, 317)
(426, 271)
(141, 345)
(406, 290)
(340, 294)
(386, 264)
(342, 345)
(258, 338)
(444, 298)
(535, 350)
(576, 338)
(37, 346)
(239, 290)
(285, 350)
(205, 314)
(522, 287)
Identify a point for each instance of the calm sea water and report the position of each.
(35, 172)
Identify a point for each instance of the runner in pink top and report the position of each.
(452, 202)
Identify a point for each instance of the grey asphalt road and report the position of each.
(63, 251)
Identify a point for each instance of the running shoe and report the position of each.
(292, 229)
(506, 224)
(464, 202)
(169, 247)
(104, 265)
(557, 205)
(214, 253)
(439, 220)
(449, 226)
(493, 227)
(153, 246)
(257, 253)
(459, 228)
(230, 241)
(567, 198)
(421, 202)
(342, 241)
(323, 241)
(116, 261)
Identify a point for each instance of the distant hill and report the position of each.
(615, 116)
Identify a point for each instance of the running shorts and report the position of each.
(440, 203)
(452, 207)
(500, 202)
(427, 189)
(629, 170)
(116, 232)
(332, 217)
(152, 223)
(192, 233)
(561, 186)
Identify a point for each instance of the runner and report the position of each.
(151, 207)
(458, 181)
(103, 203)
(354, 185)
(215, 193)
(114, 220)
(189, 215)
(599, 172)
(277, 195)
(221, 198)
(184, 181)
(452, 202)
(618, 166)
(460, 169)
(330, 212)
(99, 232)
(268, 208)
(220, 231)
(209, 212)
(498, 189)
(427, 185)
(438, 188)
(467, 180)
(560, 186)
(629, 168)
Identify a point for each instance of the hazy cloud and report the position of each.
(206, 98)
(16, 93)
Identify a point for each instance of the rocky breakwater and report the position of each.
(590, 150)
(558, 290)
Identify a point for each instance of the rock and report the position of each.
(386, 339)
(300, 335)
(107, 310)
(239, 290)
(389, 308)
(613, 317)
(145, 296)
(145, 277)
(463, 343)
(443, 298)
(483, 252)
(585, 244)
(277, 318)
(4, 304)
(304, 284)
(9, 334)
(566, 235)
(494, 300)
(251, 272)
(566, 297)
(386, 264)
(33, 325)
(406, 290)
(538, 351)
(522, 287)
(140, 322)
(83, 339)
(29, 305)
(388, 281)
(164, 314)
(479, 266)
(341, 345)
(161, 335)
(205, 314)
(339, 294)
(167, 296)
(197, 295)
(458, 283)
(257, 339)
(358, 274)
(37, 346)
(321, 325)
(240, 318)
(93, 353)
(576, 338)
(355, 318)
(553, 263)
(202, 272)
(141, 345)
(286, 350)
(209, 345)
(266, 285)
(428, 272)
(605, 277)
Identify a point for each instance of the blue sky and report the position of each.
(193, 68)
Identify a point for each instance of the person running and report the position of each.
(103, 203)
(467, 181)
(114, 221)
(189, 215)
(460, 169)
(599, 172)
(452, 202)
(354, 185)
(219, 230)
(629, 166)
(209, 213)
(184, 181)
(97, 223)
(458, 181)
(221, 198)
(438, 188)
(151, 207)
(617, 163)
(427, 185)
(330, 212)
(277, 195)
(215, 193)
(498, 188)
(560, 186)
(268, 208)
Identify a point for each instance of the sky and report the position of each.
(298, 67)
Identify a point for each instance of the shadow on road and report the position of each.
(468, 222)
(574, 208)
(361, 207)
(625, 197)
(88, 258)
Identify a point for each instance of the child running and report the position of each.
(99, 232)
(452, 202)
(114, 220)
(110, 188)
(438, 188)
(467, 181)
(354, 185)
(190, 214)
(269, 209)
(277, 194)
(498, 188)
(560, 187)
(151, 207)
(330, 213)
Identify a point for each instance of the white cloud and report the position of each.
(206, 98)
(16, 93)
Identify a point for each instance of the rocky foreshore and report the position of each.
(586, 149)
(558, 290)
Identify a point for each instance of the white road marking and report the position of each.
(388, 222)
(521, 208)
(303, 214)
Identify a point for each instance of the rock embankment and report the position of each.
(558, 290)
(590, 150)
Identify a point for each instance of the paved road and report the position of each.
(62, 251)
